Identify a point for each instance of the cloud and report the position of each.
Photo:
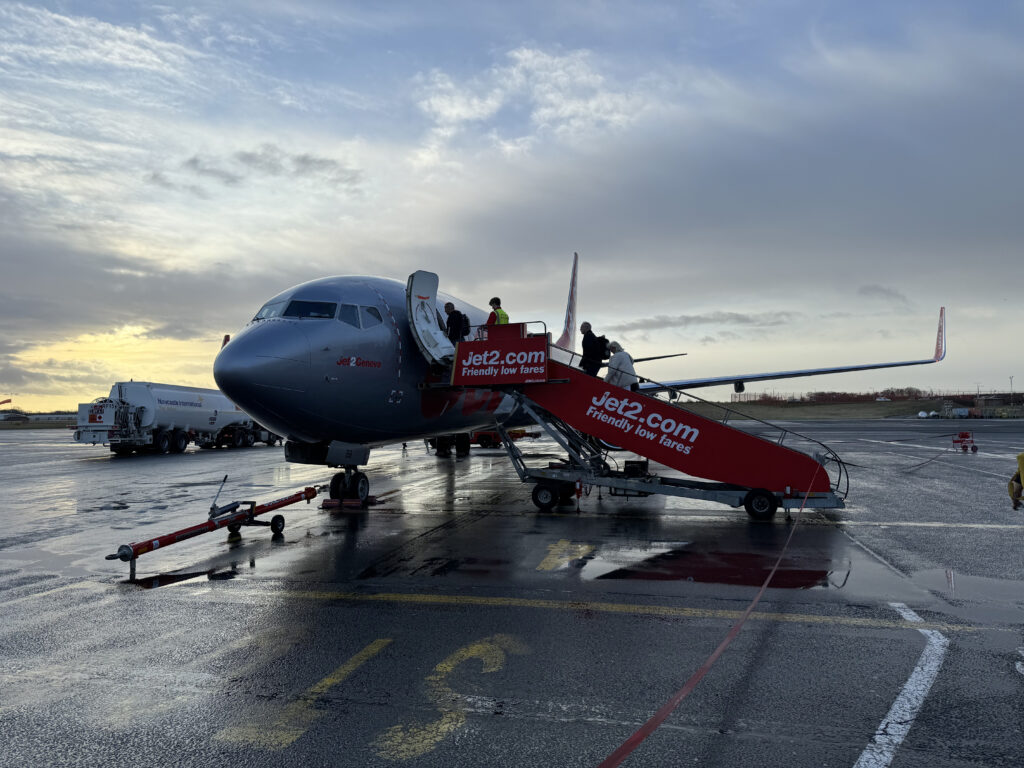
(204, 167)
(883, 293)
(760, 320)
(271, 160)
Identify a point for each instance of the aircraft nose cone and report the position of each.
(271, 357)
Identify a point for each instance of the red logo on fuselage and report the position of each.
(358, 362)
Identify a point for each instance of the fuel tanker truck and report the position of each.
(164, 418)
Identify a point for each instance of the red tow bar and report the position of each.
(231, 516)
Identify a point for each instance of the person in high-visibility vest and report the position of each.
(498, 315)
(1014, 487)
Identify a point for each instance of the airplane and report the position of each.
(341, 365)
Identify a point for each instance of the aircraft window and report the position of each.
(349, 314)
(371, 317)
(270, 310)
(319, 309)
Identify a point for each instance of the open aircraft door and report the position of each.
(421, 303)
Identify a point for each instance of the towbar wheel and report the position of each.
(760, 504)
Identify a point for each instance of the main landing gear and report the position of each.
(350, 484)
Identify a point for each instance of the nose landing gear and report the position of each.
(350, 484)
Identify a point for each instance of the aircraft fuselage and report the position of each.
(334, 360)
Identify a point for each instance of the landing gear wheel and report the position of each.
(359, 487)
(338, 486)
(277, 523)
(544, 496)
(760, 504)
(462, 444)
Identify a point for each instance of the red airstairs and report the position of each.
(720, 462)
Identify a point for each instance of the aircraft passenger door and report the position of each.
(421, 303)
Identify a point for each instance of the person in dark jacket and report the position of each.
(455, 327)
(595, 350)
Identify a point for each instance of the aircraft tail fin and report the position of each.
(567, 339)
(940, 338)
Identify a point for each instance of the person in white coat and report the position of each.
(620, 368)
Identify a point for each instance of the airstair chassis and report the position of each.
(720, 493)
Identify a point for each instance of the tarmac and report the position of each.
(455, 624)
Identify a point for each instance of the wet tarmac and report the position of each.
(454, 624)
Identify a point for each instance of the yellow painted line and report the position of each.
(562, 553)
(625, 609)
(407, 742)
(298, 716)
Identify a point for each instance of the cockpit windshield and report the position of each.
(272, 309)
(318, 309)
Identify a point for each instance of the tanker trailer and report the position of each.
(165, 418)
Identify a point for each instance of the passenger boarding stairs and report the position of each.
(571, 405)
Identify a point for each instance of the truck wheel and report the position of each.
(179, 441)
(277, 523)
(237, 439)
(161, 442)
(250, 439)
(760, 504)
(544, 496)
(234, 527)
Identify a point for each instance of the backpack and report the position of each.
(465, 326)
(605, 354)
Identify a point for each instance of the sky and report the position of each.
(763, 185)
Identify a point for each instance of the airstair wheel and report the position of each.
(760, 504)
(544, 496)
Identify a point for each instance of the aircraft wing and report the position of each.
(739, 380)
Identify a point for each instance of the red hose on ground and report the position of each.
(626, 748)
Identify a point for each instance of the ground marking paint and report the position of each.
(298, 716)
(1020, 664)
(894, 728)
(630, 609)
(405, 743)
(563, 552)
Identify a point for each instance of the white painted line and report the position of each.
(1020, 664)
(897, 722)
